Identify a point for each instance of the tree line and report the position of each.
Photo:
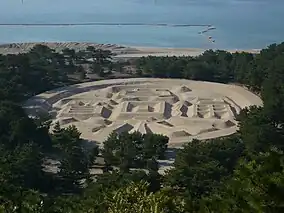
(42, 68)
(239, 173)
(216, 66)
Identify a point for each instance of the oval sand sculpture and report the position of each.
(179, 109)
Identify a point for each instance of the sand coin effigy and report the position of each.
(179, 109)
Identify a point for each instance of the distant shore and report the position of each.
(120, 51)
(163, 51)
(107, 24)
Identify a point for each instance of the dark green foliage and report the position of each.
(154, 145)
(26, 201)
(133, 150)
(99, 60)
(256, 186)
(70, 57)
(21, 166)
(82, 72)
(65, 138)
(218, 66)
(242, 173)
(42, 69)
(257, 129)
(74, 167)
(201, 166)
(75, 160)
(273, 90)
(17, 129)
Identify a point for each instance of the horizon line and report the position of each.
(106, 24)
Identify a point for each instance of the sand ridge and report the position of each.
(180, 109)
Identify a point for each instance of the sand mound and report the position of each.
(64, 121)
(82, 117)
(105, 112)
(123, 128)
(151, 119)
(182, 89)
(208, 130)
(141, 127)
(62, 102)
(165, 123)
(180, 134)
(224, 124)
(96, 120)
(98, 128)
(229, 123)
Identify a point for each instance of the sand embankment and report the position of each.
(119, 50)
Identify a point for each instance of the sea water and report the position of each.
(240, 24)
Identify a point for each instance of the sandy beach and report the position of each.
(120, 51)
(163, 51)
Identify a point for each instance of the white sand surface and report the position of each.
(180, 109)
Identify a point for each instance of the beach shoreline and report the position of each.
(171, 51)
(120, 51)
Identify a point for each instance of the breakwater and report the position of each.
(106, 24)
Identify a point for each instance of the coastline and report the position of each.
(120, 51)
(170, 51)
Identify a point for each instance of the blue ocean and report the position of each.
(241, 24)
